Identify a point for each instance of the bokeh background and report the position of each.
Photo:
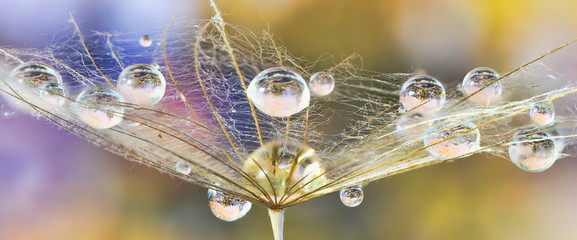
(55, 186)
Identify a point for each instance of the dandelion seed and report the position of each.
(253, 136)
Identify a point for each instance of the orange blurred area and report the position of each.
(53, 185)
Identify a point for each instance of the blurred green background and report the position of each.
(54, 186)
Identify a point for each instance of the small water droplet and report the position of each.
(141, 84)
(409, 123)
(53, 94)
(322, 83)
(424, 93)
(352, 197)
(99, 107)
(279, 92)
(532, 150)
(35, 74)
(155, 65)
(450, 140)
(479, 78)
(145, 41)
(542, 113)
(183, 167)
(7, 113)
(227, 207)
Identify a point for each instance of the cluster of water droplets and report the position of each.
(42, 80)
(532, 150)
(97, 107)
(282, 92)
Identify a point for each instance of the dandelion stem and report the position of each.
(277, 221)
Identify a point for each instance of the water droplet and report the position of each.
(542, 113)
(53, 94)
(35, 74)
(352, 197)
(8, 113)
(424, 93)
(533, 151)
(451, 140)
(409, 123)
(279, 92)
(322, 83)
(227, 207)
(145, 41)
(155, 65)
(285, 165)
(479, 78)
(99, 107)
(183, 167)
(141, 84)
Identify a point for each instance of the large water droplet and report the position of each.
(100, 107)
(424, 93)
(183, 167)
(285, 165)
(145, 41)
(532, 150)
(352, 197)
(141, 84)
(322, 84)
(35, 75)
(479, 78)
(279, 92)
(542, 113)
(53, 94)
(451, 140)
(227, 207)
